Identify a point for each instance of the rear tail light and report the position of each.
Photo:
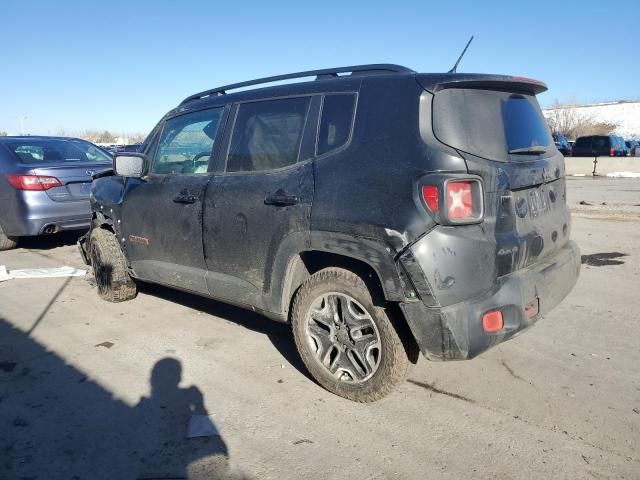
(430, 197)
(454, 200)
(612, 152)
(459, 200)
(33, 182)
(492, 321)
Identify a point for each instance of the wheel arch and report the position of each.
(304, 264)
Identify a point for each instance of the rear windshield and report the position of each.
(55, 151)
(489, 123)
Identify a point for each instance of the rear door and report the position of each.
(261, 204)
(162, 213)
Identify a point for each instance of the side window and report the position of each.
(337, 119)
(186, 143)
(267, 134)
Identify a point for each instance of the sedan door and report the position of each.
(162, 213)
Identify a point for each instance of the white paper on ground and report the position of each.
(202, 426)
(3, 274)
(623, 175)
(40, 272)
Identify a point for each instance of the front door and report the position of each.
(261, 203)
(162, 213)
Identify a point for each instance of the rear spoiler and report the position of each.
(433, 82)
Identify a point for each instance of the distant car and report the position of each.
(562, 144)
(623, 146)
(599, 146)
(45, 184)
(134, 147)
(632, 145)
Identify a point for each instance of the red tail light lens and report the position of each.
(430, 197)
(612, 152)
(33, 182)
(459, 200)
(492, 321)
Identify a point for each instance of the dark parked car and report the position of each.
(562, 144)
(599, 146)
(44, 185)
(380, 211)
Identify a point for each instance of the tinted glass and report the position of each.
(337, 118)
(583, 142)
(600, 144)
(267, 134)
(55, 151)
(489, 123)
(186, 143)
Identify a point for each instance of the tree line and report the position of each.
(566, 120)
(97, 136)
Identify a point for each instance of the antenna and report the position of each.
(455, 67)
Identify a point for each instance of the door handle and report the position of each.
(185, 197)
(281, 199)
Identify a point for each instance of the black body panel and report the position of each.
(247, 233)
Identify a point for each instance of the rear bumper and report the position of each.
(30, 213)
(455, 332)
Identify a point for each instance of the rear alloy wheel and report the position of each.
(110, 267)
(348, 344)
(6, 242)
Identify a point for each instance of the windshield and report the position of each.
(490, 124)
(54, 151)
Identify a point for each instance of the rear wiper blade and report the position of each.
(528, 150)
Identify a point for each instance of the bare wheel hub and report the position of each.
(343, 337)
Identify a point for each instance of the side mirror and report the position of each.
(129, 164)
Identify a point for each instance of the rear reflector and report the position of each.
(33, 182)
(430, 197)
(531, 309)
(492, 321)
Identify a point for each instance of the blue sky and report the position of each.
(120, 65)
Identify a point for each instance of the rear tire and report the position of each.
(110, 267)
(350, 346)
(6, 242)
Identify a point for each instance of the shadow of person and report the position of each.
(59, 422)
(175, 437)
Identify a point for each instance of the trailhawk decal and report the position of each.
(139, 240)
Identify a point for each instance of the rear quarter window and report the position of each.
(336, 122)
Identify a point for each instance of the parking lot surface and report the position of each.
(93, 390)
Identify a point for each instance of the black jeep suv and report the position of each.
(380, 211)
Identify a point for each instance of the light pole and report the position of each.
(22, 119)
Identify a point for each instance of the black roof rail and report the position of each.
(319, 74)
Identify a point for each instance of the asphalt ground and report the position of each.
(92, 390)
